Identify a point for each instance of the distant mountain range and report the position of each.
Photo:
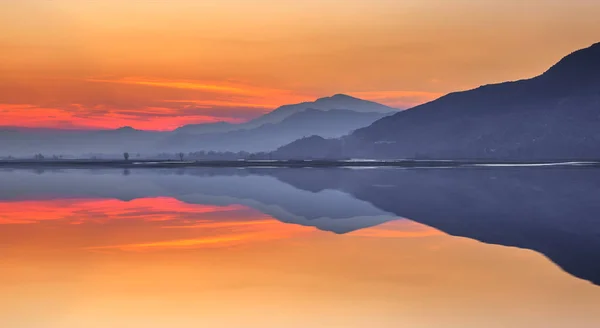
(335, 102)
(552, 116)
(329, 117)
(269, 136)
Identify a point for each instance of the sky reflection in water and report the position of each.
(162, 262)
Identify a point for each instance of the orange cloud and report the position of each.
(192, 85)
(211, 103)
(217, 93)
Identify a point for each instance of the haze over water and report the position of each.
(310, 248)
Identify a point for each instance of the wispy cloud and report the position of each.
(192, 85)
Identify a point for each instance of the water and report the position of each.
(478, 247)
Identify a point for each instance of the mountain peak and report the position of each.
(337, 101)
(344, 101)
(340, 97)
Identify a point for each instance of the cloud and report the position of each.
(192, 85)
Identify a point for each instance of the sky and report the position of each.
(157, 65)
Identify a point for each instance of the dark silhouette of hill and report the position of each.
(552, 116)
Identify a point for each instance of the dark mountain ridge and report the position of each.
(552, 116)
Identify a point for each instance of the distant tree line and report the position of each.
(41, 157)
(190, 156)
(212, 155)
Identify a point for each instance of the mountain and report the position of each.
(555, 115)
(338, 101)
(269, 136)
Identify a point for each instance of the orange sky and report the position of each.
(161, 64)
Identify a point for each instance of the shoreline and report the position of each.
(16, 164)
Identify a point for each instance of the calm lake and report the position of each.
(274, 247)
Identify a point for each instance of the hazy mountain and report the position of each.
(339, 101)
(18, 142)
(552, 116)
(270, 136)
(311, 147)
(329, 117)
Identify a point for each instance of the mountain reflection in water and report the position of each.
(351, 247)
